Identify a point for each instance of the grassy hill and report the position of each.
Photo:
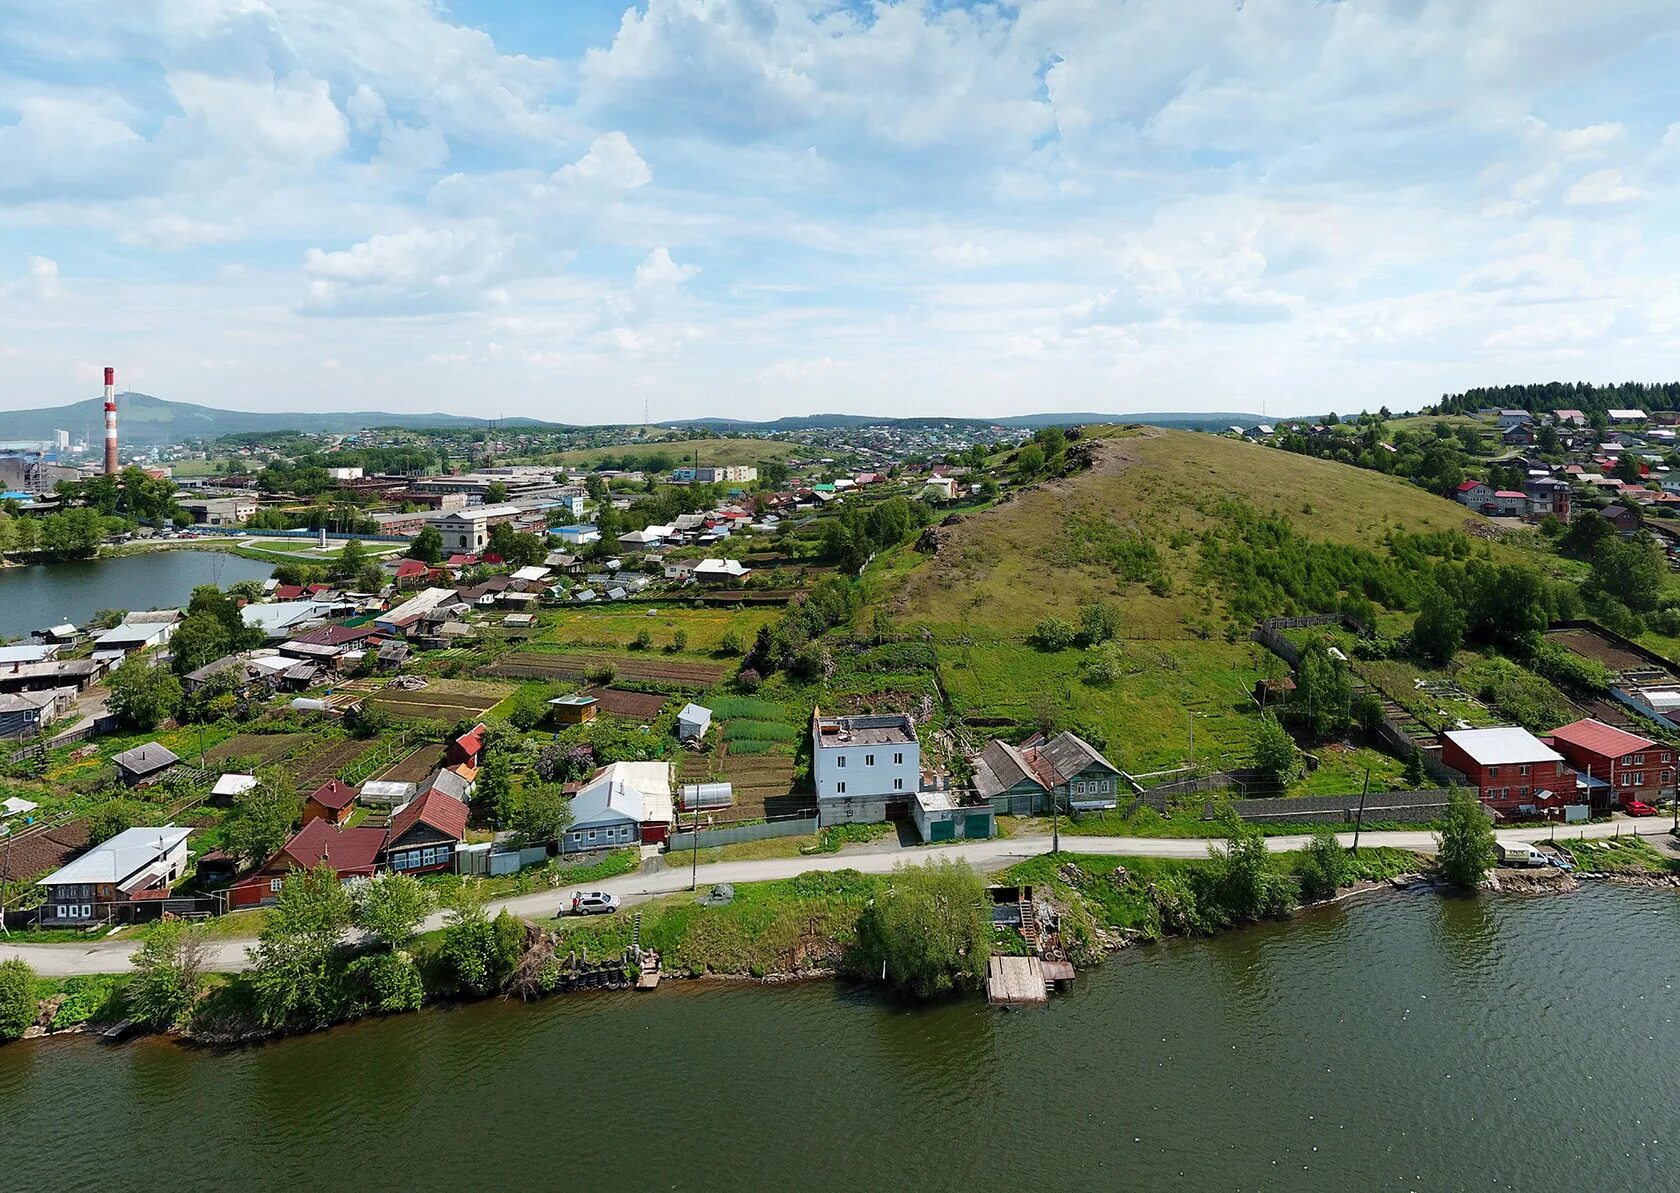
(1129, 530)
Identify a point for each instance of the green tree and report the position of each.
(385, 983)
(391, 907)
(1415, 775)
(142, 695)
(732, 643)
(350, 561)
(168, 973)
(114, 816)
(1029, 461)
(1098, 622)
(1105, 664)
(1271, 750)
(495, 787)
(1323, 693)
(517, 548)
(1465, 848)
(495, 493)
(294, 978)
(541, 813)
(1631, 570)
(1438, 629)
(1248, 886)
(1323, 865)
(199, 639)
(930, 930)
(19, 1007)
(481, 952)
(261, 818)
(427, 546)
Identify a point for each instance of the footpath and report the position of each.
(672, 877)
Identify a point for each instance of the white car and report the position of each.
(592, 903)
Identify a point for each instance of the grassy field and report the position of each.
(715, 452)
(445, 700)
(614, 628)
(1620, 855)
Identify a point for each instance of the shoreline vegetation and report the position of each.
(821, 925)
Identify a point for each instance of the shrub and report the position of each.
(385, 983)
(1323, 865)
(479, 952)
(930, 931)
(168, 974)
(1105, 664)
(1054, 634)
(1098, 622)
(18, 1005)
(1242, 884)
(732, 643)
(1466, 850)
(1271, 750)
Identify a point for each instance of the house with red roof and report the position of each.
(351, 852)
(468, 749)
(1508, 766)
(425, 833)
(332, 801)
(1619, 766)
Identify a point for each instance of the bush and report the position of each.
(385, 983)
(168, 974)
(1054, 634)
(732, 643)
(1105, 664)
(1098, 622)
(18, 1005)
(930, 931)
(1242, 884)
(1271, 750)
(1323, 865)
(479, 952)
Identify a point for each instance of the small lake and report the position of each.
(34, 597)
(1404, 1043)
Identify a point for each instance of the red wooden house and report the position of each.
(351, 852)
(467, 749)
(332, 801)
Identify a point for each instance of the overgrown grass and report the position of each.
(1619, 855)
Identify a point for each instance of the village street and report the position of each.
(671, 877)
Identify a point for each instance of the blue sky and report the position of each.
(761, 207)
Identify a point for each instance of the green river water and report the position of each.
(1404, 1043)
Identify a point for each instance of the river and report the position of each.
(34, 597)
(1403, 1043)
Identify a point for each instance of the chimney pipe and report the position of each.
(110, 421)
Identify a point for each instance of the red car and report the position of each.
(1636, 807)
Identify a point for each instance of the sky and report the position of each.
(582, 211)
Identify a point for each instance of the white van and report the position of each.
(1520, 853)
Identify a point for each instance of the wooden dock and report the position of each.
(648, 979)
(1016, 981)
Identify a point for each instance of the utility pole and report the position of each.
(1055, 823)
(1359, 820)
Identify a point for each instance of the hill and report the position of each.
(1201, 421)
(1130, 530)
(145, 420)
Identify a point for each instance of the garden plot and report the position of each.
(572, 665)
(444, 700)
(317, 766)
(637, 706)
(417, 766)
(259, 749)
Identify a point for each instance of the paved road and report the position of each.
(112, 956)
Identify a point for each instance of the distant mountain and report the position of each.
(143, 421)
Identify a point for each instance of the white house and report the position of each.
(693, 722)
(580, 535)
(863, 764)
(136, 865)
(625, 803)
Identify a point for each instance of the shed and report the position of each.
(692, 723)
(144, 765)
(574, 709)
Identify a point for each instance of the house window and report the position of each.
(1639, 760)
(87, 912)
(591, 834)
(1493, 772)
(60, 910)
(274, 885)
(898, 759)
(898, 784)
(839, 789)
(840, 761)
(1523, 769)
(869, 760)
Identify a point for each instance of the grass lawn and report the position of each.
(743, 851)
(1146, 716)
(771, 927)
(1342, 768)
(1619, 855)
(615, 628)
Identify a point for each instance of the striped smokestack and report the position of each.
(110, 421)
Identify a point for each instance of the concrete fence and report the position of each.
(1420, 806)
(799, 826)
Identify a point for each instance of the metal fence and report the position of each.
(795, 827)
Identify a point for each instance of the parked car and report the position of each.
(1637, 807)
(592, 903)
